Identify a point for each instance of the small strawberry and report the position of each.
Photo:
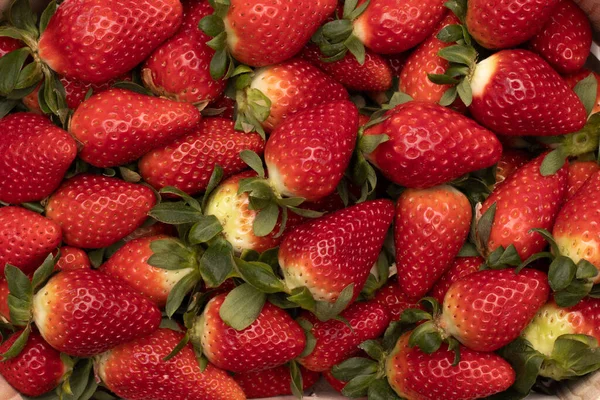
(8, 44)
(461, 267)
(35, 155)
(573, 79)
(394, 300)
(137, 370)
(431, 226)
(565, 39)
(72, 258)
(118, 126)
(579, 173)
(96, 211)
(511, 161)
(272, 382)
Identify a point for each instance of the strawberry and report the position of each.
(272, 382)
(35, 156)
(579, 173)
(510, 101)
(565, 39)
(36, 370)
(188, 162)
(336, 341)
(273, 339)
(8, 44)
(510, 162)
(420, 136)
(337, 250)
(185, 56)
(431, 226)
(96, 211)
(112, 132)
(72, 258)
(26, 238)
(137, 370)
(573, 79)
(4, 308)
(394, 300)
(95, 41)
(461, 267)
(500, 24)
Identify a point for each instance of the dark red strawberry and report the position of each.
(394, 300)
(273, 382)
(8, 44)
(510, 162)
(72, 258)
(461, 267)
(573, 79)
(579, 173)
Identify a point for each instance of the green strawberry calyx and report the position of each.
(222, 63)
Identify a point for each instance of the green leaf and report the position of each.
(306, 213)
(30, 75)
(359, 386)
(454, 345)
(259, 106)
(254, 161)
(573, 356)
(212, 25)
(553, 162)
(19, 284)
(79, 379)
(464, 92)
(13, 32)
(380, 389)
(6, 106)
(459, 53)
(414, 315)
(195, 204)
(47, 15)
(303, 298)
(357, 48)
(325, 311)
(449, 96)
(373, 348)
(180, 346)
(18, 345)
(204, 230)
(484, 226)
(10, 68)
(22, 16)
(586, 270)
(526, 362)
(353, 367)
(426, 337)
(311, 343)
(442, 79)
(349, 6)
(175, 213)
(259, 275)
(533, 258)
(458, 7)
(168, 261)
(41, 275)
(451, 33)
(265, 220)
(215, 179)
(358, 11)
(242, 306)
(270, 257)
(468, 250)
(217, 264)
(96, 257)
(218, 64)
(338, 30)
(587, 89)
(561, 273)
(368, 143)
(296, 384)
(133, 87)
(549, 238)
(179, 291)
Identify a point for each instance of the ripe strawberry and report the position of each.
(326, 258)
(188, 162)
(95, 41)
(510, 162)
(185, 56)
(524, 201)
(500, 24)
(26, 238)
(137, 370)
(119, 126)
(157, 228)
(307, 155)
(72, 258)
(573, 79)
(510, 96)
(36, 370)
(35, 156)
(424, 149)
(579, 173)
(565, 39)
(272, 382)
(70, 311)
(334, 382)
(4, 292)
(96, 211)
(431, 226)
(394, 300)
(273, 339)
(8, 44)
(336, 341)
(461, 267)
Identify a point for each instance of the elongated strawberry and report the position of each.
(8, 44)
(431, 226)
(119, 126)
(394, 300)
(35, 155)
(573, 79)
(96, 211)
(137, 370)
(272, 382)
(510, 162)
(95, 41)
(188, 162)
(72, 258)
(461, 267)
(420, 136)
(26, 238)
(579, 173)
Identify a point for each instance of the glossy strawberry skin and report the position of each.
(500, 24)
(394, 300)
(95, 41)
(36, 370)
(72, 258)
(188, 162)
(70, 312)
(524, 201)
(477, 375)
(565, 39)
(488, 309)
(35, 155)
(461, 267)
(136, 370)
(425, 148)
(307, 155)
(516, 92)
(331, 252)
(510, 162)
(273, 339)
(573, 79)
(579, 173)
(96, 211)
(26, 238)
(8, 44)
(272, 382)
(118, 126)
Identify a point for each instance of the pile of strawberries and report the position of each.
(228, 199)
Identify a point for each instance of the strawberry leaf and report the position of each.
(373, 348)
(296, 384)
(442, 79)
(349, 7)
(465, 92)
(353, 367)
(325, 311)
(368, 143)
(179, 291)
(6, 106)
(484, 227)
(450, 34)
(311, 341)
(585, 270)
(242, 306)
(357, 48)
(359, 386)
(47, 15)
(133, 87)
(175, 213)
(303, 298)
(561, 273)
(526, 361)
(305, 213)
(79, 380)
(380, 389)
(573, 356)
(254, 161)
(459, 53)
(217, 264)
(41, 275)
(266, 219)
(426, 337)
(182, 343)
(19, 344)
(215, 179)
(468, 250)
(10, 68)
(30, 75)
(414, 315)
(535, 257)
(549, 238)
(587, 89)
(553, 162)
(259, 275)
(449, 96)
(212, 25)
(22, 16)
(458, 7)
(204, 230)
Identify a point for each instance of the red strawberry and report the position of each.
(188, 162)
(35, 156)
(95, 41)
(185, 56)
(331, 252)
(273, 339)
(499, 24)
(8, 44)
(579, 173)
(334, 382)
(272, 382)
(26, 238)
(431, 226)
(573, 79)
(424, 149)
(137, 371)
(307, 155)
(72, 258)
(510, 96)
(565, 39)
(119, 126)
(394, 300)
(336, 341)
(96, 211)
(36, 370)
(510, 162)
(461, 267)
(4, 292)
(157, 228)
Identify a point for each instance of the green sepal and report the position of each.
(215, 179)
(465, 92)
(133, 87)
(311, 341)
(242, 306)
(325, 311)
(572, 356)
(353, 367)
(380, 389)
(260, 276)
(468, 250)
(47, 15)
(587, 89)
(296, 383)
(180, 346)
(41, 275)
(29, 76)
(483, 229)
(449, 96)
(11, 65)
(359, 386)
(459, 53)
(303, 298)
(374, 349)
(549, 238)
(377, 281)
(19, 344)
(175, 213)
(80, 382)
(502, 258)
(204, 230)
(212, 25)
(553, 162)
(426, 337)
(217, 263)
(458, 7)
(254, 161)
(450, 34)
(561, 273)
(584, 141)
(181, 289)
(20, 295)
(22, 17)
(6, 106)
(525, 360)
(368, 143)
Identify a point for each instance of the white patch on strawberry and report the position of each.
(40, 311)
(232, 39)
(549, 323)
(483, 74)
(276, 181)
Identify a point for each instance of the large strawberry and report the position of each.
(8, 44)
(573, 79)
(273, 382)
(35, 155)
(394, 299)
(188, 162)
(431, 226)
(95, 40)
(137, 370)
(96, 211)
(118, 126)
(579, 173)
(461, 267)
